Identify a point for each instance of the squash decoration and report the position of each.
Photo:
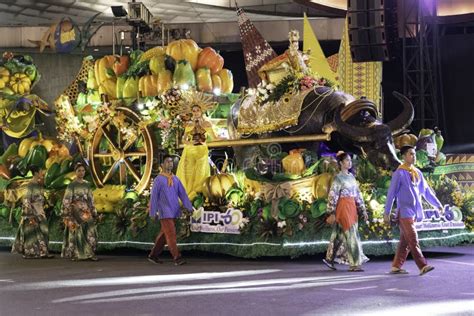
(184, 49)
(215, 187)
(322, 184)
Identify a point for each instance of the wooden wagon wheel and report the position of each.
(130, 156)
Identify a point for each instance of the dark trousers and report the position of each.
(408, 243)
(167, 235)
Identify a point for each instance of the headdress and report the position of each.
(196, 98)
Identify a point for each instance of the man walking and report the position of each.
(166, 192)
(408, 186)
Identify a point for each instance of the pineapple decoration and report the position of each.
(172, 99)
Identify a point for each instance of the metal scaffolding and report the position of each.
(421, 62)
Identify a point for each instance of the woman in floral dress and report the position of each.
(344, 201)
(79, 213)
(32, 237)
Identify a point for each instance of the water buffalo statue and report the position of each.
(355, 126)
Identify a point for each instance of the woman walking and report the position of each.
(79, 213)
(344, 201)
(32, 237)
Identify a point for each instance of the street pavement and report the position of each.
(125, 283)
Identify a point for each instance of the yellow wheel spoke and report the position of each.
(109, 138)
(130, 142)
(110, 172)
(132, 169)
(135, 154)
(103, 155)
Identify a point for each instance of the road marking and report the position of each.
(356, 289)
(467, 293)
(142, 279)
(456, 262)
(333, 280)
(8, 281)
(218, 291)
(396, 290)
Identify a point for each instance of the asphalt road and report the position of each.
(125, 283)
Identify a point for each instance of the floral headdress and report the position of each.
(196, 98)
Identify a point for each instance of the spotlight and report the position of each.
(140, 106)
(217, 91)
(184, 86)
(119, 11)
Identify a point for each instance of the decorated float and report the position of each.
(272, 160)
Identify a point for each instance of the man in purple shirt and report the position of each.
(407, 187)
(166, 192)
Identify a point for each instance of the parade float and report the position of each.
(272, 164)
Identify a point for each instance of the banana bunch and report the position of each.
(20, 83)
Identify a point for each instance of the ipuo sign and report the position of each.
(216, 222)
(433, 220)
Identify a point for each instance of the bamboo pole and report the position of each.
(262, 141)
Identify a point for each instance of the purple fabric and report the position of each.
(165, 200)
(408, 195)
(7, 140)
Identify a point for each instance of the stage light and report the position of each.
(140, 106)
(217, 91)
(184, 86)
(119, 11)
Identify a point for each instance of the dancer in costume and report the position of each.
(408, 186)
(32, 236)
(79, 213)
(193, 168)
(344, 202)
(166, 192)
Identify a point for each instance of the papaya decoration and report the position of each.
(183, 74)
(148, 85)
(227, 80)
(91, 80)
(215, 187)
(204, 81)
(209, 58)
(184, 49)
(165, 81)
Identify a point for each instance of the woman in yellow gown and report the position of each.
(193, 167)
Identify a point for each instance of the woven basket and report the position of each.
(301, 189)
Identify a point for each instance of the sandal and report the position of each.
(329, 264)
(426, 269)
(398, 271)
(356, 269)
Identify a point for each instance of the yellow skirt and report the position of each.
(193, 168)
